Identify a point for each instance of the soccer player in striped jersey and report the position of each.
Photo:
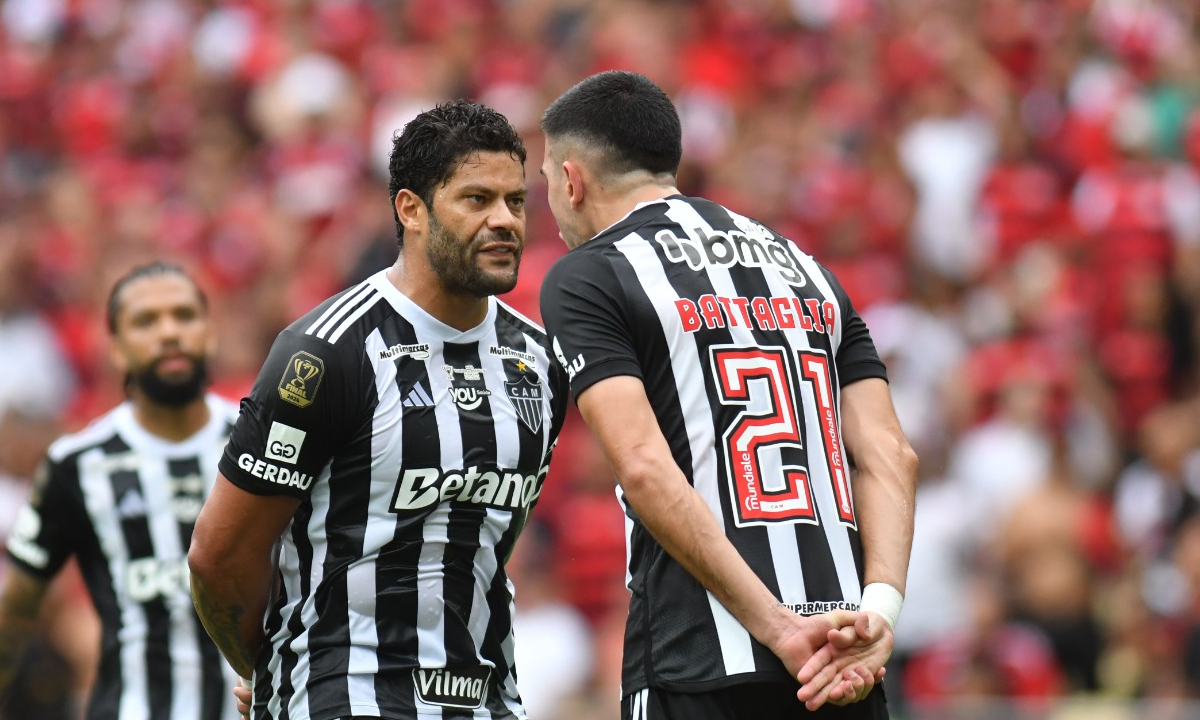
(395, 442)
(122, 496)
(732, 385)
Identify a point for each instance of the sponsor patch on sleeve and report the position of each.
(301, 379)
(284, 443)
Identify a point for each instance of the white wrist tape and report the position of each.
(883, 599)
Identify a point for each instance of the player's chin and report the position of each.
(500, 274)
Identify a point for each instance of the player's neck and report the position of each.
(611, 208)
(458, 310)
(171, 423)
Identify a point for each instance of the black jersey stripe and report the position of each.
(187, 494)
(466, 519)
(127, 491)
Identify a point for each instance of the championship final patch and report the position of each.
(301, 379)
(526, 397)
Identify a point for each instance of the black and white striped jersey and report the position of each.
(743, 343)
(418, 451)
(124, 502)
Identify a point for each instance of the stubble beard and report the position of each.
(453, 260)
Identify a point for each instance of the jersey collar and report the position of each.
(426, 324)
(142, 439)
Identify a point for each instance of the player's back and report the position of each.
(742, 341)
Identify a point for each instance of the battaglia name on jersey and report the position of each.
(783, 313)
(701, 249)
(453, 687)
(504, 489)
(272, 472)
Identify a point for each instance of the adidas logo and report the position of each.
(132, 505)
(417, 397)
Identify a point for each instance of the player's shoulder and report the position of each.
(101, 430)
(512, 317)
(341, 320)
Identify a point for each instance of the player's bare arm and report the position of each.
(885, 492)
(20, 602)
(230, 560)
(620, 415)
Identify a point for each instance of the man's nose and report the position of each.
(502, 217)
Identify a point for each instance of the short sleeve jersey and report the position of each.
(123, 503)
(743, 342)
(417, 451)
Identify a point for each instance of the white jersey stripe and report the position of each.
(94, 469)
(348, 297)
(354, 316)
(736, 649)
(343, 308)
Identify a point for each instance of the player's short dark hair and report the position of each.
(625, 116)
(151, 269)
(435, 143)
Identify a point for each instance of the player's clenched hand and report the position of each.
(847, 667)
(245, 697)
(805, 635)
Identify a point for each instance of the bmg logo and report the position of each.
(284, 443)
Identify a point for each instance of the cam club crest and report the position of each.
(526, 397)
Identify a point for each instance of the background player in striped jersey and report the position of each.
(122, 496)
(726, 374)
(397, 439)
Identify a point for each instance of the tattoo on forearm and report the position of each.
(223, 623)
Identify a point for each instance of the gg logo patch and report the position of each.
(301, 379)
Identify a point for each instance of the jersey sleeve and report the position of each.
(857, 358)
(299, 411)
(45, 533)
(581, 304)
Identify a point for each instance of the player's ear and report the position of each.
(412, 211)
(576, 185)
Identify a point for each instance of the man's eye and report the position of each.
(517, 202)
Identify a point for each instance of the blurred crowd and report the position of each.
(1008, 189)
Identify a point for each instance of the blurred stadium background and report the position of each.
(1009, 190)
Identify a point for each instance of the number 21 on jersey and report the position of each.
(762, 380)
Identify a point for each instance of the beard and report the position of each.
(172, 392)
(453, 259)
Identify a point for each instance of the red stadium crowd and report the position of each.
(1008, 189)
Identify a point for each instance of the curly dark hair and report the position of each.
(435, 143)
